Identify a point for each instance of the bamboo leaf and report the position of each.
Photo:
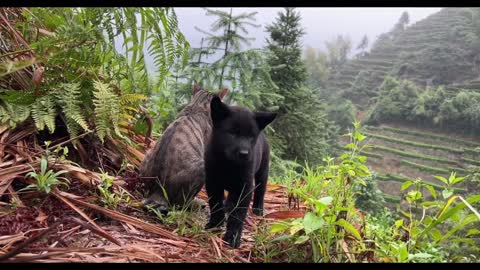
(312, 222)
(349, 227)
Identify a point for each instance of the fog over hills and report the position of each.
(320, 24)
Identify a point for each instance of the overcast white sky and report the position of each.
(321, 24)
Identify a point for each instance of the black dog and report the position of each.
(237, 153)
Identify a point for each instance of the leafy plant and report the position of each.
(331, 224)
(418, 236)
(108, 198)
(46, 180)
(187, 220)
(369, 198)
(96, 67)
(452, 180)
(329, 219)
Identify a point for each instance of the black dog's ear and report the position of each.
(218, 110)
(264, 118)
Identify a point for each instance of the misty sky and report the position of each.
(320, 24)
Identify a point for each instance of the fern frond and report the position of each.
(72, 127)
(107, 110)
(13, 114)
(70, 100)
(44, 113)
(132, 99)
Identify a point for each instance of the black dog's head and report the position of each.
(236, 129)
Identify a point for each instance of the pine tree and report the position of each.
(338, 50)
(363, 45)
(284, 43)
(317, 67)
(402, 22)
(244, 72)
(302, 131)
(230, 39)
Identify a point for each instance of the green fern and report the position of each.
(132, 99)
(107, 110)
(13, 114)
(130, 103)
(44, 113)
(87, 38)
(17, 97)
(69, 101)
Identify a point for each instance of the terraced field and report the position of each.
(401, 153)
(404, 55)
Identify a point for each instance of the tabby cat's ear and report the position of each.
(218, 110)
(223, 93)
(196, 87)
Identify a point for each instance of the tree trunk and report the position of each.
(200, 54)
(226, 48)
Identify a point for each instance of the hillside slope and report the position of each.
(442, 49)
(399, 152)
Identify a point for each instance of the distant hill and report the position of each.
(442, 49)
(419, 133)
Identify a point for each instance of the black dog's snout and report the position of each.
(243, 153)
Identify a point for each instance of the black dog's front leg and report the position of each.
(215, 202)
(241, 201)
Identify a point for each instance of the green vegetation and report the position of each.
(417, 52)
(107, 197)
(402, 99)
(471, 161)
(372, 155)
(368, 197)
(187, 221)
(402, 179)
(302, 128)
(46, 180)
(394, 177)
(425, 167)
(433, 169)
(331, 206)
(109, 87)
(63, 78)
(412, 154)
(475, 153)
(391, 198)
(332, 218)
(416, 144)
(426, 135)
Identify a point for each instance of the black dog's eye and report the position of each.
(235, 131)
